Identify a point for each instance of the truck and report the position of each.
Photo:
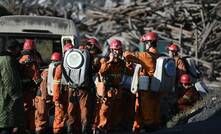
(49, 33)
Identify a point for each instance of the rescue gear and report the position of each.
(151, 36)
(56, 56)
(76, 68)
(164, 76)
(185, 79)
(29, 45)
(134, 82)
(191, 68)
(68, 46)
(173, 48)
(50, 80)
(115, 44)
(201, 88)
(162, 80)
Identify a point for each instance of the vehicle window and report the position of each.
(45, 48)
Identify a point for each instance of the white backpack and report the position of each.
(76, 67)
(50, 80)
(162, 81)
(164, 76)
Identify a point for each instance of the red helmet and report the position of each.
(81, 47)
(173, 47)
(185, 79)
(94, 42)
(115, 44)
(29, 45)
(68, 46)
(56, 56)
(151, 36)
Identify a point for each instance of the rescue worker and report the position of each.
(93, 46)
(180, 66)
(30, 80)
(190, 95)
(11, 102)
(110, 107)
(59, 95)
(42, 105)
(147, 105)
(80, 110)
(186, 101)
(169, 102)
(36, 54)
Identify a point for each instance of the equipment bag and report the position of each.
(50, 80)
(191, 68)
(164, 75)
(201, 88)
(76, 67)
(135, 80)
(126, 81)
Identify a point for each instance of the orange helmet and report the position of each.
(185, 79)
(151, 36)
(115, 44)
(68, 46)
(29, 45)
(173, 47)
(56, 56)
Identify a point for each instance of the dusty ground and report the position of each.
(205, 118)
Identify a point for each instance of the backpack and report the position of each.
(164, 75)
(76, 68)
(163, 79)
(191, 68)
(194, 73)
(50, 77)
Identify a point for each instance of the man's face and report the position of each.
(171, 54)
(117, 52)
(147, 45)
(90, 46)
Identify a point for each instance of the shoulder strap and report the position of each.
(154, 56)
